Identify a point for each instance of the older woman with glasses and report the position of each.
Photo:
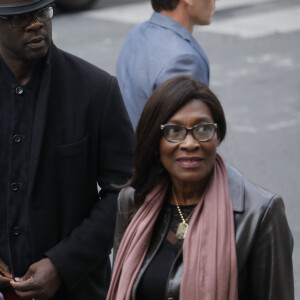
(192, 227)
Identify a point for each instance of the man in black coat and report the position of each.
(63, 129)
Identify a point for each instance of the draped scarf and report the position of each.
(209, 253)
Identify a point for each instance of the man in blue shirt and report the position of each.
(161, 48)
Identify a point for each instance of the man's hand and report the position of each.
(41, 281)
(5, 275)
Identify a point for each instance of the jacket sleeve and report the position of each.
(271, 259)
(90, 243)
(185, 64)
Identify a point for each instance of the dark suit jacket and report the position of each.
(264, 242)
(82, 136)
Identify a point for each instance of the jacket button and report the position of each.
(16, 231)
(14, 186)
(17, 138)
(19, 90)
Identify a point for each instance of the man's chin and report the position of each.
(35, 54)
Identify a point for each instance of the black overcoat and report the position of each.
(82, 136)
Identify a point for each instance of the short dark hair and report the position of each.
(164, 102)
(160, 5)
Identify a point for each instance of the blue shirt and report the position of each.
(153, 52)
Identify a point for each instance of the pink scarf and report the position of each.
(209, 254)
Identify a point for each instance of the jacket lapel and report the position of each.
(198, 48)
(39, 121)
(236, 188)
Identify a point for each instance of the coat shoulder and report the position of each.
(76, 66)
(126, 200)
(247, 195)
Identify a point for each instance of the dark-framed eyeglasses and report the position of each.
(23, 20)
(201, 133)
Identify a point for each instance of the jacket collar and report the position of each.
(236, 188)
(171, 24)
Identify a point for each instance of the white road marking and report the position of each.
(252, 26)
(243, 128)
(258, 25)
(129, 13)
(271, 127)
(283, 124)
(224, 4)
(140, 12)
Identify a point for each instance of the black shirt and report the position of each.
(154, 280)
(17, 107)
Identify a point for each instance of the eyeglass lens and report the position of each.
(23, 20)
(176, 133)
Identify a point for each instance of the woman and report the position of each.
(196, 228)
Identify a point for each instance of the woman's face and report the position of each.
(189, 161)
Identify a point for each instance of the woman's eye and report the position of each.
(200, 129)
(174, 131)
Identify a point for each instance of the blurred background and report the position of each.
(254, 51)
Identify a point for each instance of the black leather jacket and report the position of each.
(264, 242)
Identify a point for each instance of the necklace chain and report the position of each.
(178, 208)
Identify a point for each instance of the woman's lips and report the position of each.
(189, 162)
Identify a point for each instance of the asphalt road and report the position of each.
(257, 78)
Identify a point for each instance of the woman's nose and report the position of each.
(189, 142)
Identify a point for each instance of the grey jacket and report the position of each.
(264, 242)
(153, 52)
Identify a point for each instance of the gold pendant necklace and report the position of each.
(183, 226)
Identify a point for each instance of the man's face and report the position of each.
(201, 11)
(28, 44)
